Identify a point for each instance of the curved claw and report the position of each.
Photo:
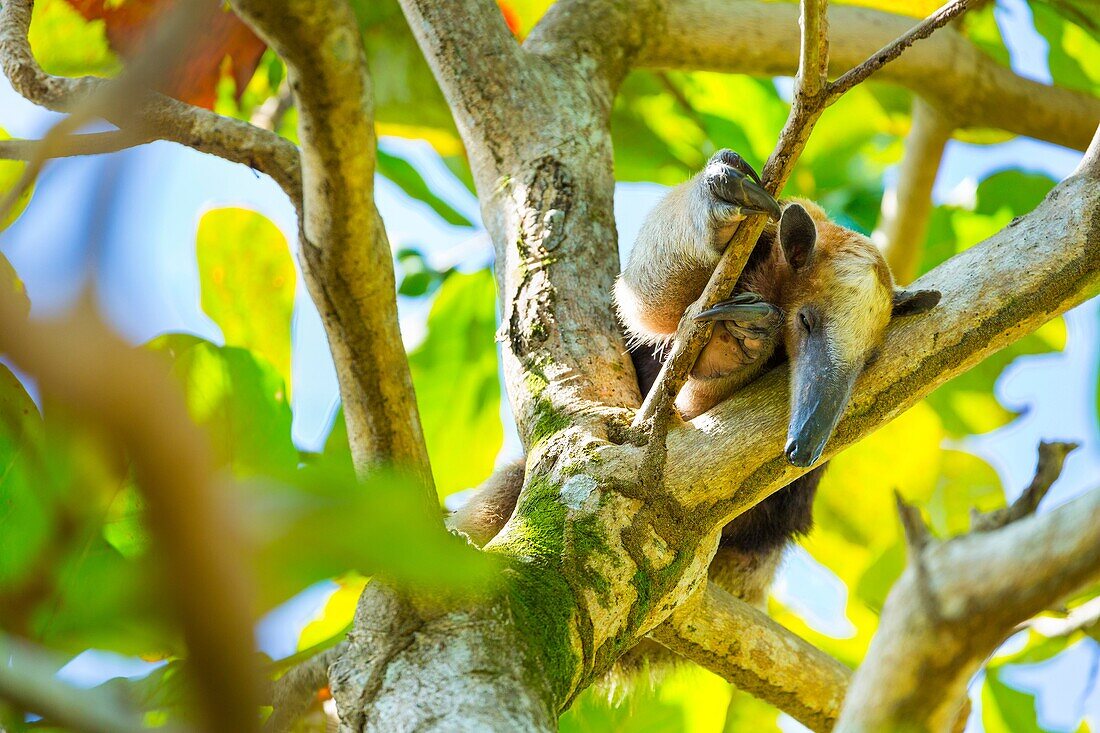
(735, 161)
(739, 189)
(744, 308)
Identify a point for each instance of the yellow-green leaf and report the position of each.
(10, 173)
(67, 45)
(247, 278)
(337, 614)
(457, 387)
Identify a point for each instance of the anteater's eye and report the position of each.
(806, 322)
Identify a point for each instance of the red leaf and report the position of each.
(511, 17)
(225, 41)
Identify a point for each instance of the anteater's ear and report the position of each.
(912, 302)
(797, 235)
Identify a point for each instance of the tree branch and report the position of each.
(957, 601)
(1047, 471)
(93, 143)
(292, 693)
(129, 394)
(732, 639)
(535, 124)
(478, 64)
(892, 50)
(345, 252)
(152, 115)
(906, 209)
(947, 70)
(600, 36)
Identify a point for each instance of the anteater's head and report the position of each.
(838, 302)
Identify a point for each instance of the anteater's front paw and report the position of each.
(734, 189)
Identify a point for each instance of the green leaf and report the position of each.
(10, 173)
(1007, 710)
(980, 26)
(407, 100)
(10, 282)
(67, 45)
(965, 482)
(967, 405)
(367, 527)
(402, 172)
(1073, 50)
(239, 400)
(457, 386)
(26, 515)
(666, 125)
(247, 279)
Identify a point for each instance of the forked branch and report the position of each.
(958, 599)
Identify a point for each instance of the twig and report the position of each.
(1085, 616)
(94, 143)
(27, 680)
(78, 362)
(292, 693)
(916, 531)
(1049, 467)
(114, 97)
(888, 53)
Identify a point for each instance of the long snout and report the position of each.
(821, 387)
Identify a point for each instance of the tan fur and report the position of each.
(486, 513)
(849, 282)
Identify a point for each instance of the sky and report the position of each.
(142, 214)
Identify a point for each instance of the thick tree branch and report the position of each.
(993, 294)
(479, 66)
(535, 124)
(955, 603)
(345, 252)
(131, 397)
(603, 36)
(946, 70)
(731, 638)
(154, 116)
(906, 209)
